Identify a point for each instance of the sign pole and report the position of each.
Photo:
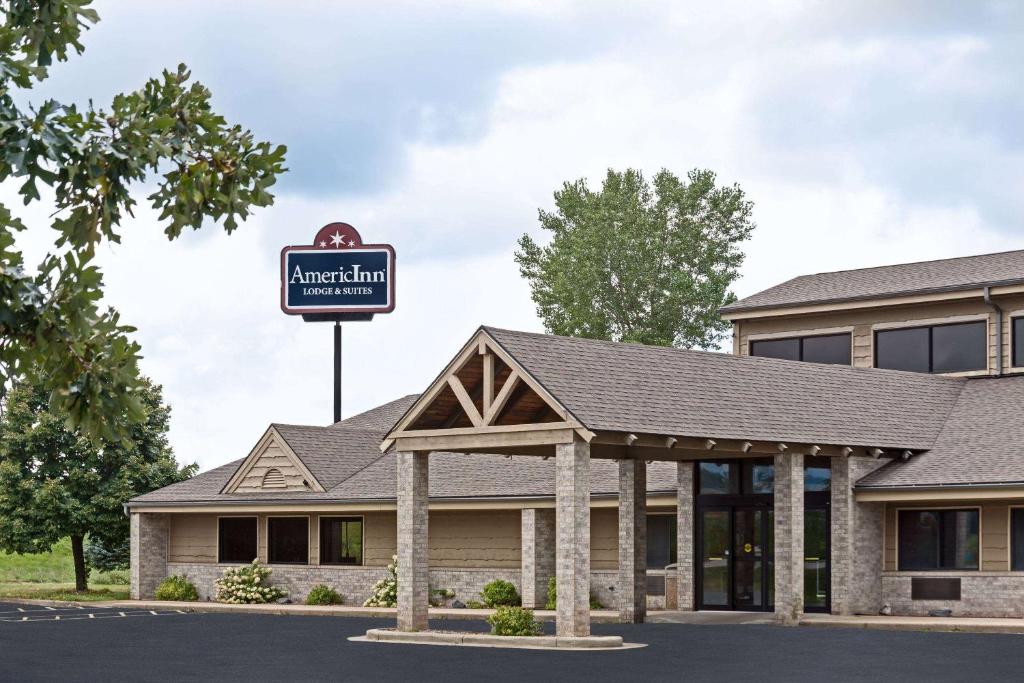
(337, 371)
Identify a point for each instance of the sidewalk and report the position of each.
(951, 624)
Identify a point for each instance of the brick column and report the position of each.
(632, 541)
(538, 548)
(685, 521)
(413, 574)
(841, 514)
(148, 543)
(572, 506)
(789, 538)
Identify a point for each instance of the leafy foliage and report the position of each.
(55, 482)
(176, 588)
(247, 585)
(514, 621)
(499, 593)
(638, 262)
(322, 594)
(385, 592)
(53, 325)
(107, 555)
(552, 600)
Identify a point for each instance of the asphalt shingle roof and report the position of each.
(967, 272)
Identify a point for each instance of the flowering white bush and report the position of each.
(247, 585)
(385, 592)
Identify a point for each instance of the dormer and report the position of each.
(961, 316)
(272, 467)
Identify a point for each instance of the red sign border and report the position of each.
(340, 309)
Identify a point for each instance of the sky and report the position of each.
(867, 134)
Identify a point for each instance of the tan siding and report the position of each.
(862, 320)
(193, 538)
(485, 539)
(604, 538)
(380, 538)
(995, 555)
(272, 457)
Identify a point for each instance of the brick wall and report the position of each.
(148, 541)
(996, 594)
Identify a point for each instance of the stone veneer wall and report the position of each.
(992, 594)
(148, 544)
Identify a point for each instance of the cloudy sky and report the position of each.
(879, 133)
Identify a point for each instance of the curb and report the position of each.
(588, 643)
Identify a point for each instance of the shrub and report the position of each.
(385, 592)
(177, 588)
(500, 593)
(475, 604)
(112, 579)
(514, 621)
(552, 601)
(107, 556)
(324, 595)
(438, 596)
(247, 585)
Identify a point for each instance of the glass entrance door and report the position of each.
(748, 559)
(736, 552)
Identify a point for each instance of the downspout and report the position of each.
(999, 329)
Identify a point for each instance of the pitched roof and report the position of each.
(381, 417)
(966, 272)
(635, 388)
(982, 442)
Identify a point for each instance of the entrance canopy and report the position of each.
(524, 393)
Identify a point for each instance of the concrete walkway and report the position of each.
(953, 624)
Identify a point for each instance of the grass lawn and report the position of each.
(51, 576)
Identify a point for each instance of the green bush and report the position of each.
(514, 621)
(324, 595)
(475, 604)
(177, 588)
(501, 593)
(112, 579)
(552, 601)
(106, 556)
(247, 585)
(385, 592)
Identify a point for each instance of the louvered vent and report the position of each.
(273, 479)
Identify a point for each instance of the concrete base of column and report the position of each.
(572, 506)
(789, 538)
(413, 573)
(632, 541)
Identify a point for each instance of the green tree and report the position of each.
(52, 322)
(56, 482)
(639, 263)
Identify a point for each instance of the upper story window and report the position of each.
(1018, 342)
(957, 347)
(834, 349)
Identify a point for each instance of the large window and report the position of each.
(1017, 539)
(938, 539)
(288, 540)
(1018, 342)
(959, 347)
(661, 541)
(833, 349)
(341, 540)
(236, 539)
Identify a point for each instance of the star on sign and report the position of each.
(351, 243)
(337, 239)
(323, 245)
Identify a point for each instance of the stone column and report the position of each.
(572, 509)
(148, 542)
(538, 548)
(841, 513)
(413, 573)
(789, 538)
(685, 521)
(632, 541)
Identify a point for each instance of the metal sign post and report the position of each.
(337, 279)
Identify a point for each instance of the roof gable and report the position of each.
(274, 467)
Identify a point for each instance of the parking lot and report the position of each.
(91, 644)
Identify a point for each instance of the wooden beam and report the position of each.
(671, 442)
(630, 439)
(815, 449)
(488, 381)
(485, 442)
(501, 399)
(876, 453)
(783, 448)
(465, 401)
(710, 444)
(746, 446)
(847, 451)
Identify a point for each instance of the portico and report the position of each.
(514, 393)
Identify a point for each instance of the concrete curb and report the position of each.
(923, 624)
(591, 643)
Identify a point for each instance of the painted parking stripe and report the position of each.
(91, 615)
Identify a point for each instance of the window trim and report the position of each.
(930, 326)
(1009, 538)
(931, 508)
(320, 537)
(1012, 318)
(266, 528)
(220, 517)
(664, 513)
(800, 337)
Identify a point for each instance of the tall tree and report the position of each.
(639, 263)
(56, 482)
(52, 322)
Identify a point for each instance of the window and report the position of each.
(288, 540)
(817, 479)
(1018, 342)
(833, 349)
(938, 539)
(716, 477)
(661, 541)
(1017, 539)
(341, 540)
(236, 539)
(941, 348)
